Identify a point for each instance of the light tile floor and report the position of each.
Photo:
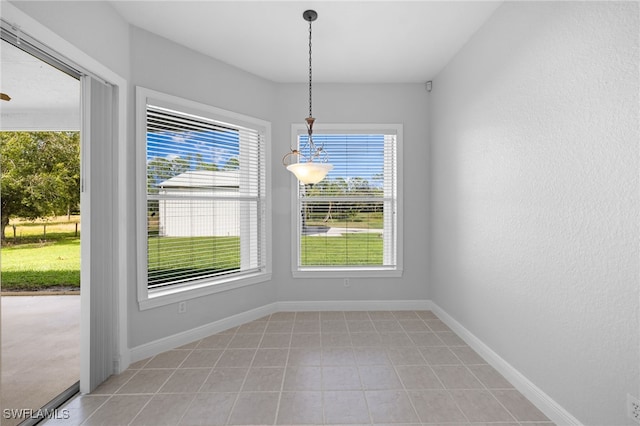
(316, 368)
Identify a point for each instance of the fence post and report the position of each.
(76, 230)
(45, 232)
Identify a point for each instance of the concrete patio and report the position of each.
(40, 350)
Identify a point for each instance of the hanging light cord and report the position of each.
(313, 150)
(310, 72)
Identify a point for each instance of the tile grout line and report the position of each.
(324, 416)
(192, 350)
(195, 393)
(364, 393)
(213, 367)
(404, 386)
(484, 387)
(115, 391)
(449, 390)
(235, 402)
(284, 374)
(96, 410)
(385, 346)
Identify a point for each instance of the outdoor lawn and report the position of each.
(352, 249)
(358, 247)
(184, 257)
(38, 258)
(41, 258)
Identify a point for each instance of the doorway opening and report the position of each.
(40, 220)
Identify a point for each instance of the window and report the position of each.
(348, 225)
(203, 210)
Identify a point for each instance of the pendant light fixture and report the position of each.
(312, 165)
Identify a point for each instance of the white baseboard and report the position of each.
(176, 340)
(544, 402)
(354, 305)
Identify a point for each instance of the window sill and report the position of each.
(347, 273)
(157, 298)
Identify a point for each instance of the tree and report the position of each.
(232, 164)
(40, 174)
(359, 186)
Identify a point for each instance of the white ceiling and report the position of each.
(353, 41)
(42, 97)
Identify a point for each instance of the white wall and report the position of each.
(355, 103)
(159, 64)
(93, 27)
(534, 135)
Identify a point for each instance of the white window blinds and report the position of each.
(348, 221)
(205, 197)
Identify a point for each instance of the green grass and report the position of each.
(34, 231)
(31, 262)
(187, 257)
(348, 250)
(35, 266)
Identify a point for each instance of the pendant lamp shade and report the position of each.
(310, 172)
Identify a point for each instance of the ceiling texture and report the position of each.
(353, 42)
(42, 97)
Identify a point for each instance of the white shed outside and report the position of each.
(188, 200)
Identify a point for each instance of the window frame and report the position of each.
(180, 292)
(299, 271)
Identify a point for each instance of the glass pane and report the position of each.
(341, 233)
(358, 165)
(194, 239)
(203, 181)
(347, 219)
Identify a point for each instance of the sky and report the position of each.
(352, 155)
